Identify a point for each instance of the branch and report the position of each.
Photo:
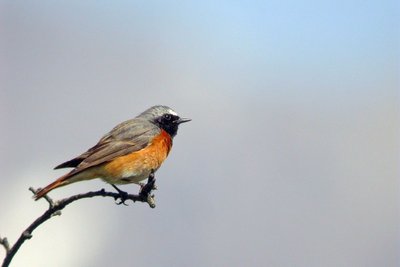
(5, 244)
(56, 207)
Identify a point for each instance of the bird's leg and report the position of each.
(122, 195)
(146, 189)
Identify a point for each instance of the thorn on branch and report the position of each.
(56, 213)
(26, 235)
(5, 244)
(33, 190)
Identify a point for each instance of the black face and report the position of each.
(169, 123)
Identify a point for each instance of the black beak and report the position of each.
(182, 120)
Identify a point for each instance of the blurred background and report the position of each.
(292, 157)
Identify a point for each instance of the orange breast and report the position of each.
(139, 163)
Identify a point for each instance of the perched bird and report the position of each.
(129, 153)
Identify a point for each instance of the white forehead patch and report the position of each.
(172, 112)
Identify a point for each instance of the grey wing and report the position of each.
(125, 138)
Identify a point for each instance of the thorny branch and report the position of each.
(55, 208)
(5, 244)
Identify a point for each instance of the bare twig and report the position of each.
(5, 244)
(55, 208)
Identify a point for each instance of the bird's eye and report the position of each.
(167, 117)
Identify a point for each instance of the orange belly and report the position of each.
(137, 166)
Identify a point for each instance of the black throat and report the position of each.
(170, 127)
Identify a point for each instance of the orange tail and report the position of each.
(57, 183)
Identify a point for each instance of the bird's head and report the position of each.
(164, 117)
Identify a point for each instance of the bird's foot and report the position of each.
(145, 189)
(145, 185)
(123, 196)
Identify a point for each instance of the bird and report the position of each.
(129, 153)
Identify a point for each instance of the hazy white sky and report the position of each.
(291, 158)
